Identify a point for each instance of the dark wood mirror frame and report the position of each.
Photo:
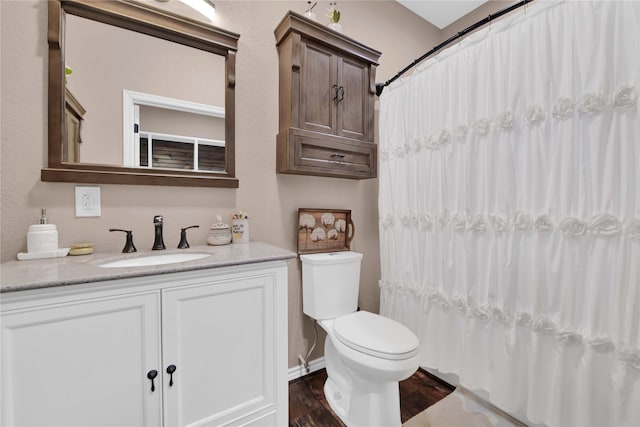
(157, 23)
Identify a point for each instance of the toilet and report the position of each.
(366, 354)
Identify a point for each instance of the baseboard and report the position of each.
(299, 371)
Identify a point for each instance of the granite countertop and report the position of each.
(44, 273)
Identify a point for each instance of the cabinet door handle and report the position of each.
(170, 370)
(341, 88)
(335, 95)
(151, 375)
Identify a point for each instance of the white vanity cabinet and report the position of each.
(81, 355)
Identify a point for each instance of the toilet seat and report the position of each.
(376, 335)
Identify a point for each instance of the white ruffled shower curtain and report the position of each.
(509, 208)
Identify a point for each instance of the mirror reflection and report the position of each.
(139, 101)
(139, 95)
(177, 140)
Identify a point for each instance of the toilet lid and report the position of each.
(376, 335)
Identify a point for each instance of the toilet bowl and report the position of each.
(366, 354)
(362, 382)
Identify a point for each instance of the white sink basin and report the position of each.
(145, 261)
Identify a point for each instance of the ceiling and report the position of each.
(441, 13)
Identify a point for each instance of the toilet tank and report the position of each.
(330, 284)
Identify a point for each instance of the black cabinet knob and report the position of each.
(151, 375)
(170, 370)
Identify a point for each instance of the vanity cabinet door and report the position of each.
(82, 362)
(227, 339)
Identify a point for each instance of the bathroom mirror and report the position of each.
(139, 95)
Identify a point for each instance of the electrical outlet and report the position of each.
(87, 200)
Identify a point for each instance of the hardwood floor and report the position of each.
(309, 408)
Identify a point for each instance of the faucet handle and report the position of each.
(128, 246)
(183, 237)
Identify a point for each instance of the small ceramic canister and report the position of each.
(219, 234)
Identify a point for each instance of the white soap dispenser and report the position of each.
(42, 237)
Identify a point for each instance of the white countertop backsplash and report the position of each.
(44, 273)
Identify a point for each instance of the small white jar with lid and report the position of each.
(219, 234)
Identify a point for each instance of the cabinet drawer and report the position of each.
(309, 153)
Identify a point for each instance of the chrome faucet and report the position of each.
(158, 243)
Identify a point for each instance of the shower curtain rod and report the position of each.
(380, 86)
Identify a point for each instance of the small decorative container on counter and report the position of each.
(220, 233)
(42, 237)
(42, 241)
(240, 227)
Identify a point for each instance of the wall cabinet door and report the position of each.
(222, 337)
(334, 93)
(82, 363)
(355, 103)
(318, 88)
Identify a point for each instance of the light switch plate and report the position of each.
(87, 200)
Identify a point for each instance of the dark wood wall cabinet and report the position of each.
(327, 96)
